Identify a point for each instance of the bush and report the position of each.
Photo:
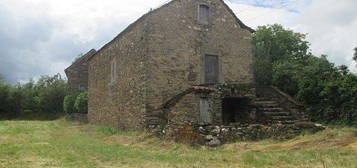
(5, 102)
(68, 103)
(81, 103)
(51, 92)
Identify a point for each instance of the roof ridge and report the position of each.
(85, 57)
(242, 25)
(132, 25)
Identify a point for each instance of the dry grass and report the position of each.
(65, 144)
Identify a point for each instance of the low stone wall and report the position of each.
(214, 135)
(82, 118)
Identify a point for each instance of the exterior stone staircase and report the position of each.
(274, 106)
(272, 112)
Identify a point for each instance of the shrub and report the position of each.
(68, 103)
(81, 103)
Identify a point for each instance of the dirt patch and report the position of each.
(325, 143)
(40, 162)
(122, 140)
(346, 141)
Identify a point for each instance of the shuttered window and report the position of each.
(203, 14)
(211, 69)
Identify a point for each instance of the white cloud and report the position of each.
(254, 16)
(331, 26)
(83, 18)
(43, 36)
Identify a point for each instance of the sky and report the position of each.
(43, 37)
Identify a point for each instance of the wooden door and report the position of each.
(204, 111)
(211, 69)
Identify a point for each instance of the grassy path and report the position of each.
(35, 144)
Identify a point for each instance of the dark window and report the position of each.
(211, 69)
(203, 14)
(81, 87)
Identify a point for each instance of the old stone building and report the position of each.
(77, 73)
(187, 61)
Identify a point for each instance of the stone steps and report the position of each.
(264, 99)
(272, 109)
(272, 105)
(273, 112)
(266, 102)
(288, 121)
(282, 118)
(277, 113)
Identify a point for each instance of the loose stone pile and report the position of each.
(213, 136)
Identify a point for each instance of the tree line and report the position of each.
(42, 99)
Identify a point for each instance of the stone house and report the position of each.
(77, 73)
(187, 61)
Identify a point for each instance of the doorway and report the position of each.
(235, 110)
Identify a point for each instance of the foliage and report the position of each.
(43, 98)
(329, 92)
(274, 43)
(68, 103)
(9, 98)
(51, 92)
(262, 71)
(81, 103)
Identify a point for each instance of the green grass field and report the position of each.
(66, 144)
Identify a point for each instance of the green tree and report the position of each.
(5, 104)
(10, 101)
(277, 43)
(51, 93)
(273, 43)
(42, 99)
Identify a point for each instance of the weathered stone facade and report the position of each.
(77, 73)
(163, 54)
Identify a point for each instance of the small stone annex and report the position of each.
(188, 61)
(77, 73)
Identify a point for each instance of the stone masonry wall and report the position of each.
(121, 103)
(177, 46)
(161, 55)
